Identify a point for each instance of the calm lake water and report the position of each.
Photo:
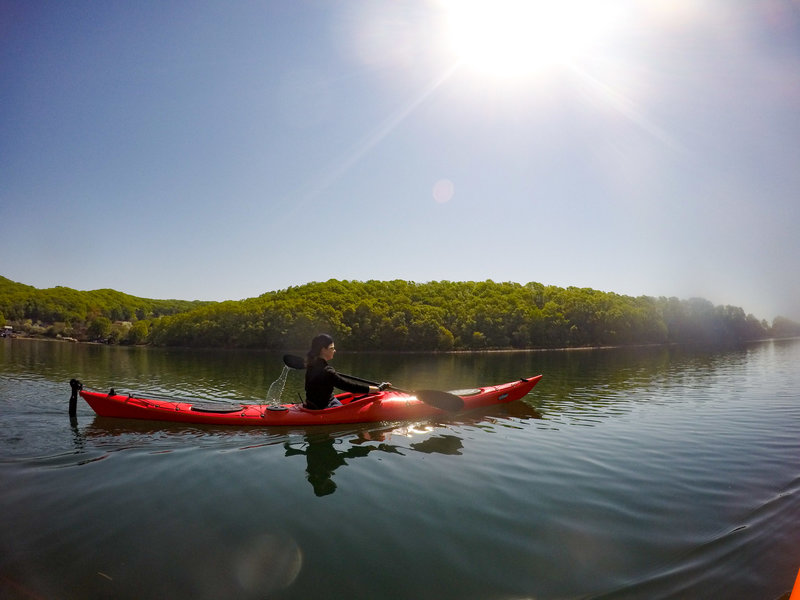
(647, 473)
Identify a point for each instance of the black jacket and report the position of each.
(321, 378)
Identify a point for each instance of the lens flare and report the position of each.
(443, 191)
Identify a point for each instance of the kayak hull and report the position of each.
(390, 405)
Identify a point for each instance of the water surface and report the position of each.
(646, 473)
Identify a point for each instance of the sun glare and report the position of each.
(509, 38)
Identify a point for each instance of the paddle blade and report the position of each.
(443, 400)
(294, 362)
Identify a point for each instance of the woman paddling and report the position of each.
(321, 378)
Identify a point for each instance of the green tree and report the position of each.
(138, 333)
(99, 328)
(783, 327)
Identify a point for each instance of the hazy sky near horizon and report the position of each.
(220, 150)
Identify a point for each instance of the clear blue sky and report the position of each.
(220, 150)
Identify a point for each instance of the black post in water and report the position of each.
(73, 399)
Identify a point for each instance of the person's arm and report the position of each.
(352, 386)
(346, 384)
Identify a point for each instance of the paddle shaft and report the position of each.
(444, 400)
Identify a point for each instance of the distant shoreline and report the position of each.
(441, 352)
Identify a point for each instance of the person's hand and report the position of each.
(384, 385)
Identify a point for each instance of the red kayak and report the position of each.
(389, 405)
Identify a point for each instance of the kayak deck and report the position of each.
(389, 405)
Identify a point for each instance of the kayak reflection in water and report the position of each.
(322, 459)
(321, 378)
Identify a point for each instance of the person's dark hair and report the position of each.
(323, 340)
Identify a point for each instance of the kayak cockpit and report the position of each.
(217, 411)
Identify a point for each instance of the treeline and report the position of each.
(393, 315)
(99, 314)
(401, 315)
(388, 315)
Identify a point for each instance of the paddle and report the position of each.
(442, 400)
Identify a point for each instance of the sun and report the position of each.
(511, 38)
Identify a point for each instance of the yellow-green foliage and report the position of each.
(392, 315)
(444, 315)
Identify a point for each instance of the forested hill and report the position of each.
(64, 311)
(386, 315)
